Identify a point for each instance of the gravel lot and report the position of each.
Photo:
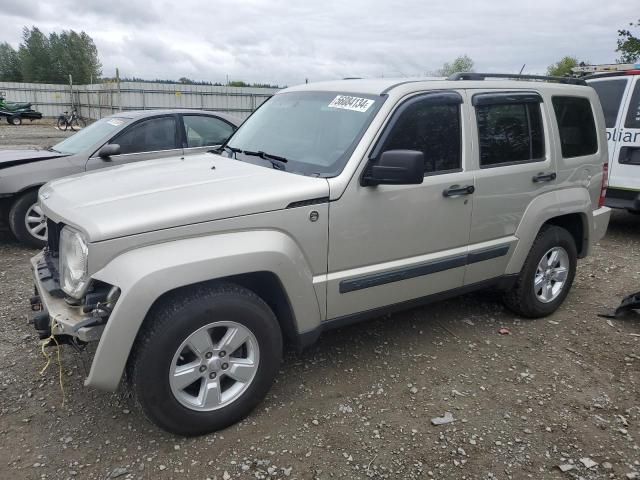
(40, 133)
(561, 391)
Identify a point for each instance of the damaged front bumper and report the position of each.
(63, 317)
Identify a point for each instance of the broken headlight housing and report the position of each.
(74, 253)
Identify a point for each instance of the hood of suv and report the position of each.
(11, 158)
(157, 194)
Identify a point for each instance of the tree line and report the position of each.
(50, 59)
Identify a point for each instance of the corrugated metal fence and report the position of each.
(99, 100)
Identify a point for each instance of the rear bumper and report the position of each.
(625, 199)
(600, 223)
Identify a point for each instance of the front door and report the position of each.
(392, 243)
(624, 171)
(152, 138)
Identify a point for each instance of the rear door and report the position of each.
(204, 132)
(514, 164)
(150, 138)
(620, 99)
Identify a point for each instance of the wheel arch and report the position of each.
(261, 261)
(569, 208)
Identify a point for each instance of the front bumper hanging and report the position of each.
(55, 315)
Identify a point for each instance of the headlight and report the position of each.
(73, 262)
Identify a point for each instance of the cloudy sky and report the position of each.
(286, 41)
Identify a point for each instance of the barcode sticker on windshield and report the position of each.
(356, 104)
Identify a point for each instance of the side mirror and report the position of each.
(109, 150)
(396, 167)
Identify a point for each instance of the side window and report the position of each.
(610, 93)
(633, 114)
(148, 136)
(203, 131)
(433, 129)
(577, 126)
(510, 133)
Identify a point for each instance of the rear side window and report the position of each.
(633, 114)
(510, 133)
(610, 93)
(433, 129)
(577, 126)
(150, 135)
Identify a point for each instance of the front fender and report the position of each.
(146, 273)
(542, 209)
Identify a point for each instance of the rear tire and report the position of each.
(547, 275)
(15, 120)
(27, 222)
(163, 350)
(61, 124)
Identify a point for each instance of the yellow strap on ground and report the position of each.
(48, 357)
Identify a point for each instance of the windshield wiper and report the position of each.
(224, 147)
(51, 149)
(276, 160)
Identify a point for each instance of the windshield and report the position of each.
(315, 132)
(87, 137)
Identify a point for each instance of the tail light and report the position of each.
(603, 186)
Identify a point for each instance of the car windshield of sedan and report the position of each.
(314, 132)
(88, 136)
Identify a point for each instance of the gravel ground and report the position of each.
(40, 133)
(557, 392)
(561, 391)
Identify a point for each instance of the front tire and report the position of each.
(547, 275)
(27, 222)
(15, 120)
(204, 358)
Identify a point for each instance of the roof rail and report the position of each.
(515, 76)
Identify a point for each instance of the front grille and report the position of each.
(53, 237)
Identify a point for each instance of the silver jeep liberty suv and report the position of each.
(332, 203)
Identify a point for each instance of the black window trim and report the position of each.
(136, 122)
(595, 126)
(436, 97)
(505, 98)
(527, 98)
(183, 128)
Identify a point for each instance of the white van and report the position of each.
(619, 93)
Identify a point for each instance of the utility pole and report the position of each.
(71, 90)
(119, 90)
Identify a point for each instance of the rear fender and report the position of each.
(542, 209)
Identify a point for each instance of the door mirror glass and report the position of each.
(396, 167)
(109, 150)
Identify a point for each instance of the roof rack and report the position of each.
(515, 76)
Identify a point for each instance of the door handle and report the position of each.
(544, 177)
(457, 190)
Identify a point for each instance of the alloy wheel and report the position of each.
(551, 274)
(214, 366)
(36, 222)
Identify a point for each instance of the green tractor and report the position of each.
(15, 112)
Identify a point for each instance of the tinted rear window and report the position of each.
(610, 93)
(577, 126)
(510, 133)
